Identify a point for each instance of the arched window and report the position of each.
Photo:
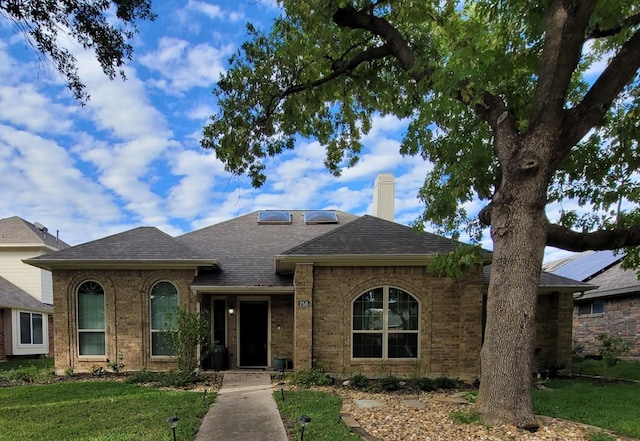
(385, 324)
(91, 321)
(164, 302)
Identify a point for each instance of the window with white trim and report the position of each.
(31, 328)
(91, 319)
(385, 324)
(164, 303)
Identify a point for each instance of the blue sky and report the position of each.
(131, 156)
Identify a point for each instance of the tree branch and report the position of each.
(595, 104)
(351, 18)
(561, 52)
(594, 31)
(567, 239)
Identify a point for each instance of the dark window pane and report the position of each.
(160, 344)
(598, 307)
(403, 345)
(25, 328)
(584, 308)
(367, 345)
(403, 310)
(36, 321)
(91, 343)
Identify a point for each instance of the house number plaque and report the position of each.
(303, 303)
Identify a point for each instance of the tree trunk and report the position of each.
(518, 229)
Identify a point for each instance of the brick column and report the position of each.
(303, 316)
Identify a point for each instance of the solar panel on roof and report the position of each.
(274, 217)
(320, 217)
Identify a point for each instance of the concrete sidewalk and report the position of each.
(244, 410)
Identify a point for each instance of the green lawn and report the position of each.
(98, 410)
(629, 370)
(322, 408)
(39, 363)
(612, 406)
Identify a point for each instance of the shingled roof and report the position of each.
(246, 248)
(16, 231)
(370, 235)
(551, 282)
(614, 281)
(141, 247)
(14, 297)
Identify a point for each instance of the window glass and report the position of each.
(164, 302)
(25, 328)
(385, 324)
(598, 307)
(584, 308)
(91, 319)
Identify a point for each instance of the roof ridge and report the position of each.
(323, 235)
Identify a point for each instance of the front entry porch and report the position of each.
(251, 330)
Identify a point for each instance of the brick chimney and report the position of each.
(383, 194)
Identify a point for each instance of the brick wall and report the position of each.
(553, 331)
(127, 316)
(52, 345)
(3, 351)
(621, 318)
(450, 320)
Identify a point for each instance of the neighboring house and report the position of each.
(613, 308)
(26, 292)
(348, 294)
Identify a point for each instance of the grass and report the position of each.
(98, 411)
(624, 369)
(609, 405)
(39, 363)
(324, 410)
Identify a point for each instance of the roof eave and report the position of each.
(119, 264)
(285, 264)
(243, 289)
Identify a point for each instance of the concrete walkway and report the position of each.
(244, 410)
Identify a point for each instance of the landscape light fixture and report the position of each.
(303, 420)
(281, 384)
(172, 421)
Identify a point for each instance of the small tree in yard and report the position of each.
(188, 334)
(612, 348)
(517, 104)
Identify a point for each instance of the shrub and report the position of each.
(309, 377)
(424, 384)
(446, 383)
(359, 381)
(612, 348)
(188, 334)
(389, 383)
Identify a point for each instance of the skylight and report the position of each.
(320, 217)
(274, 217)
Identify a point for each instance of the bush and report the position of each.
(309, 377)
(446, 383)
(359, 381)
(389, 383)
(424, 384)
(612, 348)
(27, 374)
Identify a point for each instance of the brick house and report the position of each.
(613, 308)
(321, 288)
(26, 292)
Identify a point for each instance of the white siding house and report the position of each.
(26, 292)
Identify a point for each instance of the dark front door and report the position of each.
(254, 321)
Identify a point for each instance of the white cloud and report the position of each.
(184, 66)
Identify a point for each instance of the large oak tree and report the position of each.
(104, 26)
(496, 94)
